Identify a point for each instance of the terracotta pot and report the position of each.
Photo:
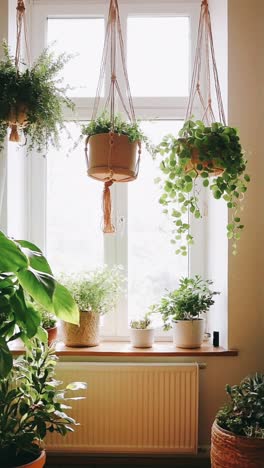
(195, 160)
(38, 463)
(112, 156)
(188, 333)
(52, 334)
(231, 451)
(17, 119)
(86, 334)
(142, 338)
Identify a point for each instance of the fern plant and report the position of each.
(39, 92)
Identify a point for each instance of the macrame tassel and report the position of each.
(108, 226)
(14, 135)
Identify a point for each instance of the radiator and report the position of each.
(132, 408)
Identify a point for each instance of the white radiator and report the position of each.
(132, 408)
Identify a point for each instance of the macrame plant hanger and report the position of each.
(205, 45)
(17, 118)
(113, 36)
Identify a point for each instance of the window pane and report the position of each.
(74, 211)
(152, 263)
(82, 37)
(158, 56)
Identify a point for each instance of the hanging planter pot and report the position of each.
(198, 162)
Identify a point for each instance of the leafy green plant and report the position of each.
(218, 147)
(48, 320)
(32, 403)
(96, 291)
(25, 274)
(192, 298)
(244, 414)
(40, 92)
(103, 125)
(141, 324)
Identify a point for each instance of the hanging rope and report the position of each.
(205, 43)
(113, 38)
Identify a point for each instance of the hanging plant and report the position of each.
(113, 146)
(205, 150)
(200, 152)
(31, 98)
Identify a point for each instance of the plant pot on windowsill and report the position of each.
(85, 334)
(142, 338)
(232, 451)
(52, 334)
(188, 333)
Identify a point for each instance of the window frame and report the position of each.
(168, 108)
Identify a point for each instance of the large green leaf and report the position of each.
(6, 360)
(35, 256)
(12, 258)
(24, 313)
(64, 305)
(40, 286)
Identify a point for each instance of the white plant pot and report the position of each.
(188, 333)
(142, 338)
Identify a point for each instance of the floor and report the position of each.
(81, 461)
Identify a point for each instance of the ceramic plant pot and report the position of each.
(142, 338)
(188, 333)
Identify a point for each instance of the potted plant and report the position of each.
(182, 309)
(96, 293)
(31, 100)
(31, 405)
(238, 430)
(112, 148)
(200, 152)
(26, 278)
(49, 323)
(141, 332)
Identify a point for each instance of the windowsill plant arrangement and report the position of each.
(49, 323)
(31, 406)
(202, 151)
(32, 100)
(142, 332)
(182, 309)
(96, 293)
(238, 431)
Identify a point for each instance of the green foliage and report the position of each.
(96, 291)
(25, 276)
(141, 324)
(48, 320)
(31, 405)
(218, 146)
(244, 414)
(192, 298)
(39, 90)
(103, 125)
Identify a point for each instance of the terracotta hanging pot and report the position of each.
(209, 164)
(17, 119)
(231, 451)
(112, 157)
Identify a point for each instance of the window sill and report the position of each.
(120, 349)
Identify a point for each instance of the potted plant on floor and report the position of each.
(96, 293)
(182, 309)
(32, 99)
(214, 155)
(141, 332)
(31, 405)
(238, 430)
(26, 278)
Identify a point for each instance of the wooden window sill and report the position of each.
(122, 349)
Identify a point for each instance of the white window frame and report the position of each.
(168, 108)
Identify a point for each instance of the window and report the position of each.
(65, 204)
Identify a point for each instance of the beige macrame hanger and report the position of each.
(205, 44)
(113, 37)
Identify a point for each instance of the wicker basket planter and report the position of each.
(86, 334)
(112, 157)
(232, 451)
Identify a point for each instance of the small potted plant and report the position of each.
(49, 323)
(31, 405)
(96, 293)
(182, 309)
(200, 152)
(141, 332)
(112, 148)
(32, 100)
(238, 430)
